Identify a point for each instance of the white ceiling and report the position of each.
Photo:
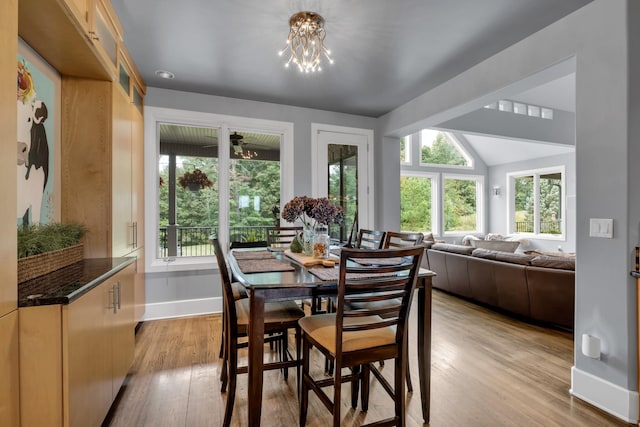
(386, 52)
(558, 94)
(497, 151)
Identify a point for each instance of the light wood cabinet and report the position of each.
(74, 357)
(10, 385)
(9, 367)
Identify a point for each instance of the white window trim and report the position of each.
(511, 177)
(155, 115)
(452, 138)
(407, 151)
(480, 213)
(435, 199)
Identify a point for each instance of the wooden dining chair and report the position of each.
(396, 239)
(370, 239)
(357, 338)
(279, 317)
(281, 237)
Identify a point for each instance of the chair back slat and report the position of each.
(370, 239)
(278, 237)
(364, 277)
(394, 239)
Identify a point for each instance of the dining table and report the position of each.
(280, 276)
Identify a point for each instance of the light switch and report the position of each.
(601, 227)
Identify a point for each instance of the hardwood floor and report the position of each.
(487, 370)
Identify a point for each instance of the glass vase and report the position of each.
(321, 242)
(307, 241)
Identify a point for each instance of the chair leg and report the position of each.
(364, 399)
(337, 393)
(408, 377)
(399, 381)
(284, 345)
(221, 354)
(304, 388)
(233, 375)
(224, 372)
(356, 370)
(298, 349)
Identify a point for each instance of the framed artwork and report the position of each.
(38, 148)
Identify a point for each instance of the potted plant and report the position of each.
(48, 247)
(195, 180)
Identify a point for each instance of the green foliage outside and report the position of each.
(415, 204)
(403, 153)
(256, 182)
(343, 191)
(549, 204)
(460, 205)
(442, 152)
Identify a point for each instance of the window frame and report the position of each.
(458, 145)
(435, 198)
(536, 173)
(480, 213)
(153, 116)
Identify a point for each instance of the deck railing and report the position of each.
(196, 241)
(546, 227)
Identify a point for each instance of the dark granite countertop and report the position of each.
(69, 283)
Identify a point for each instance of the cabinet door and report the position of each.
(8, 138)
(106, 34)
(9, 386)
(139, 288)
(88, 356)
(123, 227)
(81, 9)
(137, 175)
(122, 327)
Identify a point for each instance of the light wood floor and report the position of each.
(487, 370)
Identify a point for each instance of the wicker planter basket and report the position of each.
(39, 265)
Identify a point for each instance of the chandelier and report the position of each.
(306, 42)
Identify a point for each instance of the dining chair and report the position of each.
(396, 239)
(356, 338)
(279, 317)
(370, 239)
(281, 237)
(246, 245)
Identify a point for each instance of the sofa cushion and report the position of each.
(563, 263)
(513, 258)
(456, 249)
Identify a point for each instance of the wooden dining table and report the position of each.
(300, 283)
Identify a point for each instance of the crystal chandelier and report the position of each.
(306, 42)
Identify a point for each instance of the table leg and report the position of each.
(424, 346)
(256, 349)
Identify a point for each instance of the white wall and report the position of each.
(606, 155)
(497, 206)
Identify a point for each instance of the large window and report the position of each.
(536, 202)
(439, 148)
(238, 199)
(417, 202)
(405, 150)
(462, 204)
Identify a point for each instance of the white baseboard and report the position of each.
(184, 308)
(609, 397)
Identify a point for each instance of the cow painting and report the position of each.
(33, 150)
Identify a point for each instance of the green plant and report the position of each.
(37, 239)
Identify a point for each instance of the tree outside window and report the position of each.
(440, 148)
(461, 204)
(537, 197)
(416, 203)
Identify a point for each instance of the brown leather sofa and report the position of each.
(536, 287)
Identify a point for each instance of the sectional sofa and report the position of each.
(534, 287)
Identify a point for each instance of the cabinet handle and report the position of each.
(135, 234)
(94, 36)
(113, 299)
(119, 295)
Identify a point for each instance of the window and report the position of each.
(536, 202)
(442, 149)
(417, 202)
(462, 210)
(405, 149)
(246, 187)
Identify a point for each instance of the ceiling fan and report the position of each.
(236, 142)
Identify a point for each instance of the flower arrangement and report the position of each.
(312, 211)
(195, 179)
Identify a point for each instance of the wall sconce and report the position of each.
(495, 191)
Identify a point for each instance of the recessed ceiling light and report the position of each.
(165, 74)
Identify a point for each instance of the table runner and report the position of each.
(334, 273)
(263, 265)
(252, 255)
